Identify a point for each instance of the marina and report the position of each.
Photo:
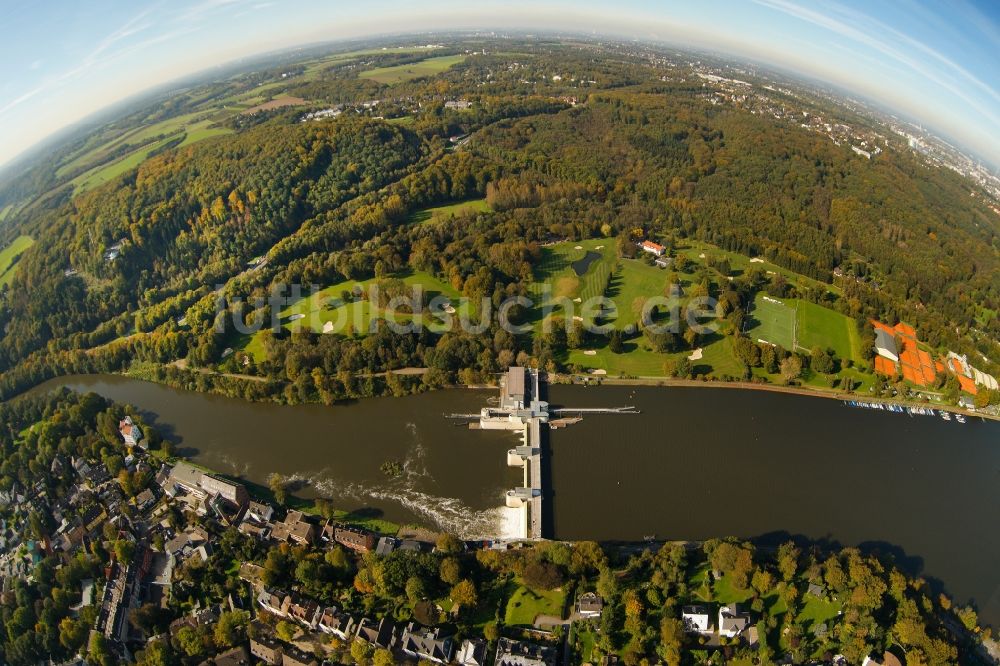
(902, 409)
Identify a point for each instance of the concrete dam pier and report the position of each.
(522, 410)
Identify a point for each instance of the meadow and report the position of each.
(9, 256)
(413, 70)
(439, 213)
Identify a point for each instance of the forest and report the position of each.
(151, 267)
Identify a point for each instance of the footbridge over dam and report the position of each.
(521, 409)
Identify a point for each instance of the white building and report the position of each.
(696, 619)
(885, 345)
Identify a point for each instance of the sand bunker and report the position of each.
(695, 355)
(590, 352)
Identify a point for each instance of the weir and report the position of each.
(522, 409)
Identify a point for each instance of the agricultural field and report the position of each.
(276, 103)
(413, 70)
(440, 213)
(193, 127)
(327, 306)
(9, 256)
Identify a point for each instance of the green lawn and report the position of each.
(724, 592)
(822, 327)
(773, 322)
(816, 610)
(740, 263)
(628, 283)
(326, 305)
(201, 131)
(9, 256)
(439, 213)
(526, 604)
(102, 174)
(413, 70)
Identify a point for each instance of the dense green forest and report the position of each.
(618, 146)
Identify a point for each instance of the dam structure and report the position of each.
(521, 409)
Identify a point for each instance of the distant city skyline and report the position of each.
(930, 62)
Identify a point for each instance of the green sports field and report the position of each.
(773, 322)
(824, 328)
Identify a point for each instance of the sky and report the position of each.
(937, 62)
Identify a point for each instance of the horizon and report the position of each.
(79, 68)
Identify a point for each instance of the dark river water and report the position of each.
(696, 463)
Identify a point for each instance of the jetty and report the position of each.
(521, 409)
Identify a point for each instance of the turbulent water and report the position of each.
(697, 463)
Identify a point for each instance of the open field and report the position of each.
(450, 210)
(527, 604)
(822, 327)
(327, 305)
(277, 103)
(740, 263)
(414, 70)
(773, 321)
(9, 256)
(102, 174)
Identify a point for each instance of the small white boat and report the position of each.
(959, 418)
(945, 415)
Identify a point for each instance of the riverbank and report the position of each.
(753, 386)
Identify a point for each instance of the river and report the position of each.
(696, 463)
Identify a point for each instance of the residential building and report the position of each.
(341, 625)
(519, 653)
(426, 644)
(589, 605)
(259, 512)
(381, 635)
(266, 649)
(471, 653)
(696, 619)
(274, 601)
(386, 545)
(130, 432)
(303, 611)
(294, 528)
(733, 621)
(654, 249)
(237, 656)
(354, 538)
